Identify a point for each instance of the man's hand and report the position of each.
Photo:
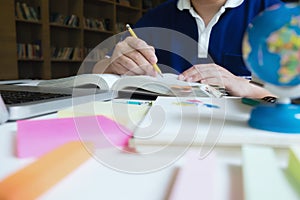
(131, 56)
(214, 74)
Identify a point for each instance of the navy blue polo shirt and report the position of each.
(174, 34)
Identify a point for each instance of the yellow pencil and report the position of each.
(132, 33)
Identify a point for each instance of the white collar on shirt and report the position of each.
(186, 4)
(204, 32)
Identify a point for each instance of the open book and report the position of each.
(168, 85)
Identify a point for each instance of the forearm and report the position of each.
(251, 90)
(257, 92)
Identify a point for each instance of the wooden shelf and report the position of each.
(30, 59)
(112, 2)
(28, 21)
(99, 31)
(64, 26)
(27, 30)
(65, 60)
(128, 7)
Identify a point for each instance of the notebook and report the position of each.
(185, 121)
(21, 102)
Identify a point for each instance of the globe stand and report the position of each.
(281, 116)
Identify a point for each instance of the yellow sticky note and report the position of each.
(126, 114)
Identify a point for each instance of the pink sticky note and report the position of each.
(37, 137)
(195, 179)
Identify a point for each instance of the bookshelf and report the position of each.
(45, 39)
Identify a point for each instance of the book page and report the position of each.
(166, 85)
(103, 81)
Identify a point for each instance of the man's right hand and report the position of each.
(131, 56)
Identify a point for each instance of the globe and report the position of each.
(271, 50)
(271, 46)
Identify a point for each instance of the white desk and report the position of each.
(92, 180)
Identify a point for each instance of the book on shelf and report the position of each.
(120, 27)
(167, 85)
(24, 11)
(29, 51)
(73, 21)
(96, 24)
(57, 18)
(67, 20)
(67, 53)
(19, 11)
(34, 13)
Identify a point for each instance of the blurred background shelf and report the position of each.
(30, 31)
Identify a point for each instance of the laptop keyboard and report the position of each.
(15, 97)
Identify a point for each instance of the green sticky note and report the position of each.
(293, 168)
(249, 101)
(263, 178)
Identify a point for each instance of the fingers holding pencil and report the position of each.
(148, 52)
(135, 56)
(132, 56)
(156, 68)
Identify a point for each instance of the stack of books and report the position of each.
(67, 20)
(67, 53)
(29, 51)
(97, 24)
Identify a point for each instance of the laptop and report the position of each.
(21, 102)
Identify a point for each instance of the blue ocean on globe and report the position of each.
(271, 45)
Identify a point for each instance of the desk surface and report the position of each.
(93, 180)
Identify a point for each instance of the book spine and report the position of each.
(26, 11)
(19, 12)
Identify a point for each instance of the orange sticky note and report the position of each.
(39, 176)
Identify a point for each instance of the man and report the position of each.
(217, 28)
